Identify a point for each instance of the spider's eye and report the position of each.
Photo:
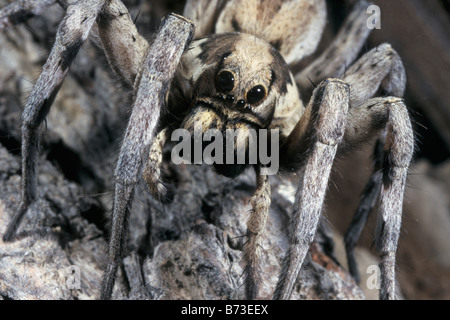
(256, 94)
(225, 81)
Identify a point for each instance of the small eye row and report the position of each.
(225, 83)
(230, 98)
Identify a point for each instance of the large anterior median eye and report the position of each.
(256, 94)
(225, 81)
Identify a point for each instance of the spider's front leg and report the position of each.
(260, 202)
(152, 86)
(399, 148)
(386, 118)
(72, 32)
(310, 149)
(125, 52)
(393, 154)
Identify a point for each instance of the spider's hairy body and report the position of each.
(253, 62)
(234, 74)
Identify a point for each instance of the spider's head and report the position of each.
(236, 80)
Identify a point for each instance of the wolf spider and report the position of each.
(235, 73)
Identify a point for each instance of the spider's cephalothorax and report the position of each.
(234, 74)
(234, 81)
